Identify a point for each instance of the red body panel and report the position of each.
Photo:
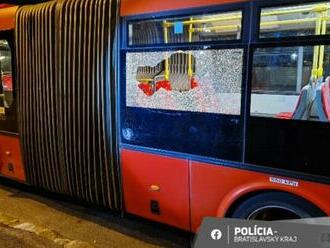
(211, 192)
(5, 5)
(7, 17)
(10, 158)
(132, 7)
(140, 171)
(215, 188)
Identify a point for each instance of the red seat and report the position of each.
(302, 107)
(285, 115)
(325, 99)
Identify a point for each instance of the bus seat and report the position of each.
(145, 75)
(178, 73)
(301, 111)
(178, 65)
(304, 104)
(152, 79)
(322, 101)
(180, 81)
(149, 72)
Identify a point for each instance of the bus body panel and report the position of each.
(11, 164)
(131, 7)
(215, 188)
(204, 190)
(153, 179)
(7, 17)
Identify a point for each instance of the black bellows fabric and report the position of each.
(66, 98)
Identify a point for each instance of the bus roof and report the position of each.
(133, 7)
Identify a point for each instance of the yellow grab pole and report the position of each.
(285, 12)
(191, 30)
(321, 56)
(217, 28)
(146, 80)
(264, 24)
(287, 22)
(318, 8)
(214, 19)
(318, 27)
(167, 71)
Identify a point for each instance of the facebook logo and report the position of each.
(216, 234)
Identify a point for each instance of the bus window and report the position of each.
(287, 83)
(299, 20)
(212, 27)
(6, 87)
(196, 81)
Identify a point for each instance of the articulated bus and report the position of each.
(170, 110)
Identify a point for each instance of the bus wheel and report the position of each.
(276, 206)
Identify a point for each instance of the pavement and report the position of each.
(13, 238)
(33, 220)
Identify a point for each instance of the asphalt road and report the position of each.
(14, 238)
(99, 228)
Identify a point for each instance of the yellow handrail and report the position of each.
(287, 22)
(264, 24)
(318, 8)
(323, 20)
(217, 28)
(146, 79)
(214, 19)
(320, 29)
(167, 71)
(190, 71)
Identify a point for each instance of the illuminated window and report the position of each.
(198, 81)
(298, 20)
(213, 27)
(292, 83)
(6, 87)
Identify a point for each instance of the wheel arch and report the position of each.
(234, 198)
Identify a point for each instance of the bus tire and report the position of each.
(276, 206)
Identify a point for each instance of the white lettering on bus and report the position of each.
(283, 181)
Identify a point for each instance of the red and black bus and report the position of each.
(170, 110)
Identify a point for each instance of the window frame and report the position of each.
(181, 14)
(250, 41)
(267, 46)
(184, 49)
(11, 126)
(259, 5)
(272, 124)
(217, 9)
(291, 41)
(242, 43)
